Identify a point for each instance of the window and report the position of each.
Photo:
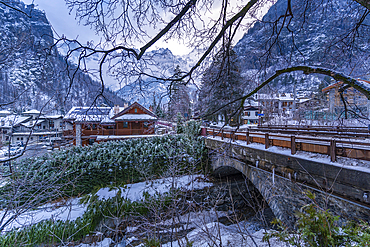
(31, 138)
(17, 138)
(248, 114)
(94, 126)
(21, 138)
(146, 124)
(255, 113)
(135, 110)
(125, 124)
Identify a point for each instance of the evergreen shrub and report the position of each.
(317, 227)
(84, 168)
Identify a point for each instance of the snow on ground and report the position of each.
(207, 231)
(105, 243)
(217, 234)
(135, 192)
(68, 210)
(71, 209)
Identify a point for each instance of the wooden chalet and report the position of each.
(135, 120)
(95, 124)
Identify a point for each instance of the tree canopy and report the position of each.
(221, 84)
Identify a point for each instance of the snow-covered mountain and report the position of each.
(160, 63)
(32, 72)
(320, 33)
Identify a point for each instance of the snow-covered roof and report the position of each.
(105, 115)
(280, 97)
(33, 111)
(135, 117)
(30, 124)
(88, 113)
(107, 120)
(12, 120)
(362, 83)
(53, 116)
(5, 112)
(89, 118)
(303, 100)
(134, 105)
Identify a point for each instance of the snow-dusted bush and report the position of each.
(103, 164)
(56, 231)
(318, 227)
(192, 128)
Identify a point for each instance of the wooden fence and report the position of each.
(343, 146)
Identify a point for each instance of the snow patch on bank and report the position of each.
(71, 209)
(134, 192)
(217, 234)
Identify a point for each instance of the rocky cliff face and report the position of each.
(33, 73)
(320, 33)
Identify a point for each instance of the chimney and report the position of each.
(116, 109)
(125, 105)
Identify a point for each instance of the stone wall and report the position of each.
(285, 196)
(236, 195)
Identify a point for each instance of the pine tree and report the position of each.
(179, 97)
(221, 84)
(157, 109)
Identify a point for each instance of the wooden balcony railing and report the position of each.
(105, 132)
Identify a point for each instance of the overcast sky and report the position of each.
(65, 23)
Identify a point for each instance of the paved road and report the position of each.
(32, 150)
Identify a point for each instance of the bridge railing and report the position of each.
(332, 131)
(343, 146)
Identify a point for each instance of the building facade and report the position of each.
(96, 124)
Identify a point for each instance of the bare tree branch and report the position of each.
(16, 9)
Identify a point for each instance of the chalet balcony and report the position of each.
(124, 132)
(69, 133)
(34, 131)
(111, 132)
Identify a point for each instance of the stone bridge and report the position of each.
(282, 179)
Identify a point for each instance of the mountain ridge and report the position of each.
(33, 73)
(317, 35)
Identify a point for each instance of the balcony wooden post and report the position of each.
(247, 137)
(78, 135)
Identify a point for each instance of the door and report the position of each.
(135, 128)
